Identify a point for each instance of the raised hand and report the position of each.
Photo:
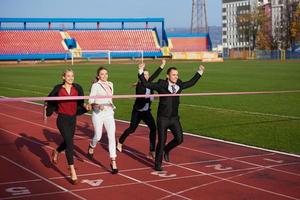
(142, 66)
(201, 68)
(163, 63)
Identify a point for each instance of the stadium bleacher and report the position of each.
(189, 44)
(116, 40)
(30, 42)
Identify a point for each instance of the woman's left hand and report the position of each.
(88, 107)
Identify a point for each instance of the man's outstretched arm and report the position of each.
(158, 71)
(194, 79)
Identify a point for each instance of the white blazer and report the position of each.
(99, 90)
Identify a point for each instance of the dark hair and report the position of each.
(170, 69)
(135, 84)
(98, 71)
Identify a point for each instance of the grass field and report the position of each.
(264, 120)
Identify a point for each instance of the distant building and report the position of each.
(231, 40)
(278, 12)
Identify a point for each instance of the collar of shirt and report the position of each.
(170, 87)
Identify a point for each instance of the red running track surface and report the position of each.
(199, 168)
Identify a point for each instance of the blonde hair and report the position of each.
(66, 71)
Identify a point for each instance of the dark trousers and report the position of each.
(163, 124)
(136, 118)
(66, 126)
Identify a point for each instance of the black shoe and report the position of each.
(90, 155)
(158, 168)
(114, 170)
(166, 156)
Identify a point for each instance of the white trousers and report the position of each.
(106, 119)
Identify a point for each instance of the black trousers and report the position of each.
(163, 124)
(136, 118)
(66, 126)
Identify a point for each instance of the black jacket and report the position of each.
(140, 89)
(52, 106)
(168, 106)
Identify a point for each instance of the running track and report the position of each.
(199, 169)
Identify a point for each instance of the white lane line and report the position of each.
(240, 111)
(143, 138)
(43, 178)
(202, 137)
(181, 146)
(128, 177)
(242, 184)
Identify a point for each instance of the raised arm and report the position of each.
(194, 79)
(145, 83)
(158, 71)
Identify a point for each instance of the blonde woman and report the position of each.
(67, 111)
(103, 115)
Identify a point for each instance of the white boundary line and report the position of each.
(126, 170)
(228, 179)
(152, 181)
(121, 174)
(203, 173)
(224, 157)
(227, 142)
(33, 195)
(141, 138)
(41, 177)
(209, 138)
(203, 137)
(240, 111)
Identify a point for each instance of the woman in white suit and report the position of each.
(103, 115)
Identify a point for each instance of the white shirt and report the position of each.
(146, 107)
(170, 87)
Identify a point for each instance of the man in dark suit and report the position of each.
(167, 114)
(142, 112)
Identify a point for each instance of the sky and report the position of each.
(177, 13)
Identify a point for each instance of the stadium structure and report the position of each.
(86, 38)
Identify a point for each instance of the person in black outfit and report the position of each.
(142, 112)
(66, 119)
(167, 114)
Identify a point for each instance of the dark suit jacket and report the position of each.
(52, 106)
(140, 89)
(168, 106)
